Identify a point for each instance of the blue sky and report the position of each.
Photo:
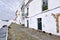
(8, 8)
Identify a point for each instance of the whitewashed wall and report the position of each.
(26, 1)
(25, 22)
(35, 7)
(53, 3)
(48, 21)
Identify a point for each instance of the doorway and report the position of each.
(40, 23)
(27, 23)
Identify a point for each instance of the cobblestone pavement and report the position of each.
(18, 32)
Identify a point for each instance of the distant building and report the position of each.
(18, 16)
(42, 15)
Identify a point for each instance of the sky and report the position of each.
(8, 8)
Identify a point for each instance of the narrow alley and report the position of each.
(19, 32)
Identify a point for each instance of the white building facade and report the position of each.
(43, 15)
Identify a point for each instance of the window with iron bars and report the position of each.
(45, 5)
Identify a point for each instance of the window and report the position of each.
(45, 5)
(22, 14)
(27, 11)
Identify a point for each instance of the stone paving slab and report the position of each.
(19, 32)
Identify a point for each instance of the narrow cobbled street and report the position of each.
(19, 32)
